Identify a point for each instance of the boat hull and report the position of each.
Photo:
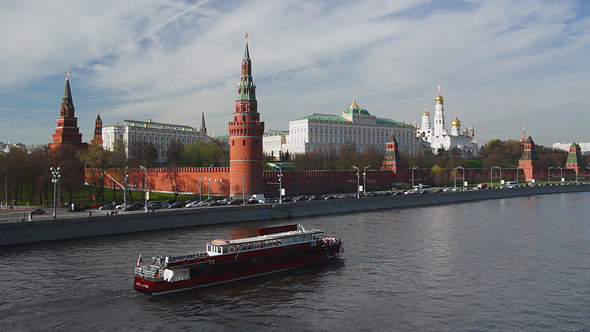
(232, 271)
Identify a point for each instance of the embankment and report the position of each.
(63, 229)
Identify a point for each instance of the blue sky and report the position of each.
(504, 65)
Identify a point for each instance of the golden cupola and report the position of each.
(439, 99)
(456, 122)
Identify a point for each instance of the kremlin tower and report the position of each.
(574, 158)
(245, 133)
(97, 139)
(529, 159)
(67, 131)
(392, 156)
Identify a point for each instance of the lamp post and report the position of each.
(122, 187)
(548, 173)
(492, 172)
(561, 178)
(6, 186)
(209, 184)
(358, 174)
(55, 178)
(145, 188)
(365, 180)
(455, 176)
(413, 168)
(126, 183)
(280, 185)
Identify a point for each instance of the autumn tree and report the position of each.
(97, 160)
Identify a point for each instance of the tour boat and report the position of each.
(274, 249)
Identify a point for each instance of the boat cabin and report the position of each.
(294, 237)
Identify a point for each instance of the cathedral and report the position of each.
(439, 137)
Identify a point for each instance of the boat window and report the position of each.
(308, 238)
(279, 242)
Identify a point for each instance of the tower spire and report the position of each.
(245, 132)
(203, 129)
(67, 102)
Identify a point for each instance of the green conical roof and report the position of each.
(67, 102)
(574, 157)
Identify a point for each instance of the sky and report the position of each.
(502, 64)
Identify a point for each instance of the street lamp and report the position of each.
(455, 176)
(124, 190)
(126, 183)
(280, 185)
(6, 186)
(561, 178)
(549, 172)
(492, 172)
(413, 168)
(209, 185)
(145, 189)
(365, 180)
(358, 174)
(55, 178)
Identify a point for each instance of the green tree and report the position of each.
(97, 160)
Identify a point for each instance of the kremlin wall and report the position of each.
(245, 175)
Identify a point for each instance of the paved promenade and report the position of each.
(81, 224)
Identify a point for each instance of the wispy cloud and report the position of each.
(504, 64)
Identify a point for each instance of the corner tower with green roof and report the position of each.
(245, 132)
(574, 158)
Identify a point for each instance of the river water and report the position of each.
(518, 264)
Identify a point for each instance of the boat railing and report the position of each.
(146, 272)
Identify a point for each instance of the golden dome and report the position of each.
(456, 122)
(353, 105)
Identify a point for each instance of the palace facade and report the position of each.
(159, 134)
(353, 125)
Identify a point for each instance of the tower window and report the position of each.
(232, 142)
(244, 142)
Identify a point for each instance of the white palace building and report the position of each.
(439, 137)
(159, 134)
(353, 125)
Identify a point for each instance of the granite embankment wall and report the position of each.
(63, 229)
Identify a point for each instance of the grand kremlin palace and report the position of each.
(353, 125)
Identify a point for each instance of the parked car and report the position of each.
(178, 204)
(107, 207)
(236, 201)
(38, 211)
(76, 208)
(134, 207)
(154, 205)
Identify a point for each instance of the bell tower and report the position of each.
(245, 136)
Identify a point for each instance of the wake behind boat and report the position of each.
(274, 249)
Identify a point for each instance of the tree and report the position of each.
(174, 153)
(97, 160)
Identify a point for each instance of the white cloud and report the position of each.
(498, 61)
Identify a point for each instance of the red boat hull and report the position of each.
(232, 267)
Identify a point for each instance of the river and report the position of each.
(506, 265)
